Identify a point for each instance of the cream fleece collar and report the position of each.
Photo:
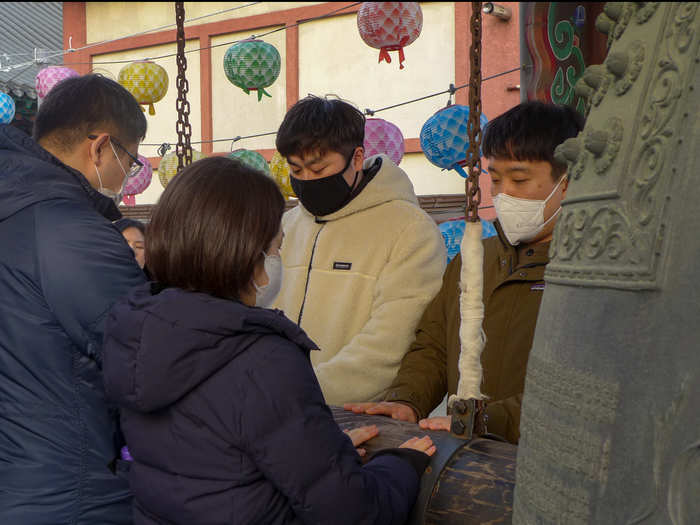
(389, 184)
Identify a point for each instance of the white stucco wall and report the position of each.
(107, 20)
(333, 59)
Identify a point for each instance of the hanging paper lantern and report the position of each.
(279, 168)
(252, 159)
(453, 230)
(48, 77)
(138, 183)
(7, 108)
(146, 81)
(168, 166)
(389, 26)
(252, 65)
(444, 138)
(383, 137)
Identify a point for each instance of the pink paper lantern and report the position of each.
(389, 26)
(48, 77)
(383, 137)
(139, 183)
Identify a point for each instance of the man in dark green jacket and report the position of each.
(528, 186)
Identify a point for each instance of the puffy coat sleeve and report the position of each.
(422, 379)
(365, 367)
(292, 437)
(504, 417)
(85, 265)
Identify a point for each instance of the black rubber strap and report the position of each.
(447, 447)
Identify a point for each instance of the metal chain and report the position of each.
(473, 190)
(184, 130)
(474, 159)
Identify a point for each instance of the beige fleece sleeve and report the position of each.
(364, 368)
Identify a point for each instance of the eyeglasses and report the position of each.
(135, 165)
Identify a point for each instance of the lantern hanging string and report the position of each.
(369, 112)
(184, 130)
(451, 89)
(170, 55)
(234, 139)
(18, 73)
(57, 53)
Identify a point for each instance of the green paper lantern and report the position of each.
(252, 65)
(252, 159)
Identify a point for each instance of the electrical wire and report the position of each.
(233, 139)
(159, 28)
(170, 55)
(17, 74)
(450, 90)
(72, 50)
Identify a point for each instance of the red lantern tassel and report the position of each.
(384, 52)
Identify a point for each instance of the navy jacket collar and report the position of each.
(30, 174)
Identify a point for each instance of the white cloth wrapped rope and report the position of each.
(471, 305)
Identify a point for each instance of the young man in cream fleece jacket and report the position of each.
(361, 259)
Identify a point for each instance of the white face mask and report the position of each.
(116, 197)
(522, 219)
(266, 295)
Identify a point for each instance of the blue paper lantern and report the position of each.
(444, 138)
(453, 231)
(7, 108)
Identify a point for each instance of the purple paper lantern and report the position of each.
(383, 137)
(48, 77)
(138, 183)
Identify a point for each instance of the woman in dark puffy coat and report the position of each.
(222, 412)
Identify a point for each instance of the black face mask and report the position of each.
(327, 195)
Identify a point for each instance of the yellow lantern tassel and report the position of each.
(143, 109)
(151, 109)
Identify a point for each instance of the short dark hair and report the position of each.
(531, 131)
(77, 106)
(125, 223)
(321, 124)
(211, 226)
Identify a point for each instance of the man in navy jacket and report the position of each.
(62, 266)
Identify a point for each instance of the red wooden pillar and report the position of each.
(75, 36)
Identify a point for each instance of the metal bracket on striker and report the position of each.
(462, 425)
(468, 418)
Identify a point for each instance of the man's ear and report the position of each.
(97, 147)
(358, 158)
(564, 185)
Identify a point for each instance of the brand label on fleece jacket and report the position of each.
(342, 265)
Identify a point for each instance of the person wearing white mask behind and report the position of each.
(267, 292)
(527, 186)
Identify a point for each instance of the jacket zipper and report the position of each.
(308, 273)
